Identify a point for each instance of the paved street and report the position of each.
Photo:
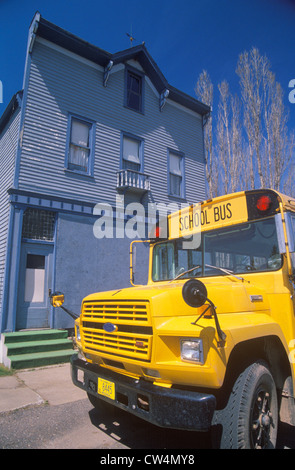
(77, 425)
(57, 415)
(42, 409)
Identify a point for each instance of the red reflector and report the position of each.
(263, 203)
(158, 232)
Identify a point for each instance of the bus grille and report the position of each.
(133, 333)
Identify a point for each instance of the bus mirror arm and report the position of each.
(221, 334)
(72, 314)
(194, 293)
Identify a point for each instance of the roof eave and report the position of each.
(73, 43)
(11, 108)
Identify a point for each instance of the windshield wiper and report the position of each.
(186, 272)
(226, 271)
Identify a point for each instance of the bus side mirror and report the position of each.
(57, 299)
(194, 293)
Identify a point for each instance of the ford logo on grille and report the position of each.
(110, 327)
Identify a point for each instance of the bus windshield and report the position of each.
(242, 248)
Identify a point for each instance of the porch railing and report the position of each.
(133, 180)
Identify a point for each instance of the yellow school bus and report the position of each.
(209, 342)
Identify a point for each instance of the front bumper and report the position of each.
(164, 407)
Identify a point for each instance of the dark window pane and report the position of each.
(134, 91)
(38, 224)
(127, 165)
(134, 102)
(135, 84)
(35, 262)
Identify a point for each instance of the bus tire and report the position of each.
(250, 418)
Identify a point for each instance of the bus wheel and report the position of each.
(250, 419)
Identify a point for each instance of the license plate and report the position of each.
(106, 388)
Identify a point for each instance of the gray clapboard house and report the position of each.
(87, 126)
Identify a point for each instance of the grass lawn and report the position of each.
(5, 371)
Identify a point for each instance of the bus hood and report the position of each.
(228, 296)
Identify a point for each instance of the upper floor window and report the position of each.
(80, 146)
(131, 153)
(131, 175)
(134, 90)
(176, 174)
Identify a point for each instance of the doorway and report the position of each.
(35, 280)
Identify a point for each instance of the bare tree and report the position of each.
(250, 145)
(229, 139)
(204, 92)
(270, 146)
(251, 69)
(288, 184)
(280, 145)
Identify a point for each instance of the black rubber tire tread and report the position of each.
(235, 418)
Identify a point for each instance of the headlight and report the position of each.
(192, 350)
(78, 334)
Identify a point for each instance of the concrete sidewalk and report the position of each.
(50, 384)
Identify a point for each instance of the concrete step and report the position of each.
(27, 347)
(26, 361)
(33, 348)
(34, 335)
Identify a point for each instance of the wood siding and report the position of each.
(60, 84)
(8, 146)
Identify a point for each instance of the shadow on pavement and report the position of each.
(136, 433)
(286, 437)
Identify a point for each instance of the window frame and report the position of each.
(140, 140)
(35, 215)
(140, 75)
(290, 219)
(181, 155)
(91, 145)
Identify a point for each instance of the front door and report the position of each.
(35, 280)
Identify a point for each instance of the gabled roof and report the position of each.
(69, 41)
(73, 43)
(44, 29)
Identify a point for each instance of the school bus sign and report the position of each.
(208, 215)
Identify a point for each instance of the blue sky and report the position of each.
(183, 36)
